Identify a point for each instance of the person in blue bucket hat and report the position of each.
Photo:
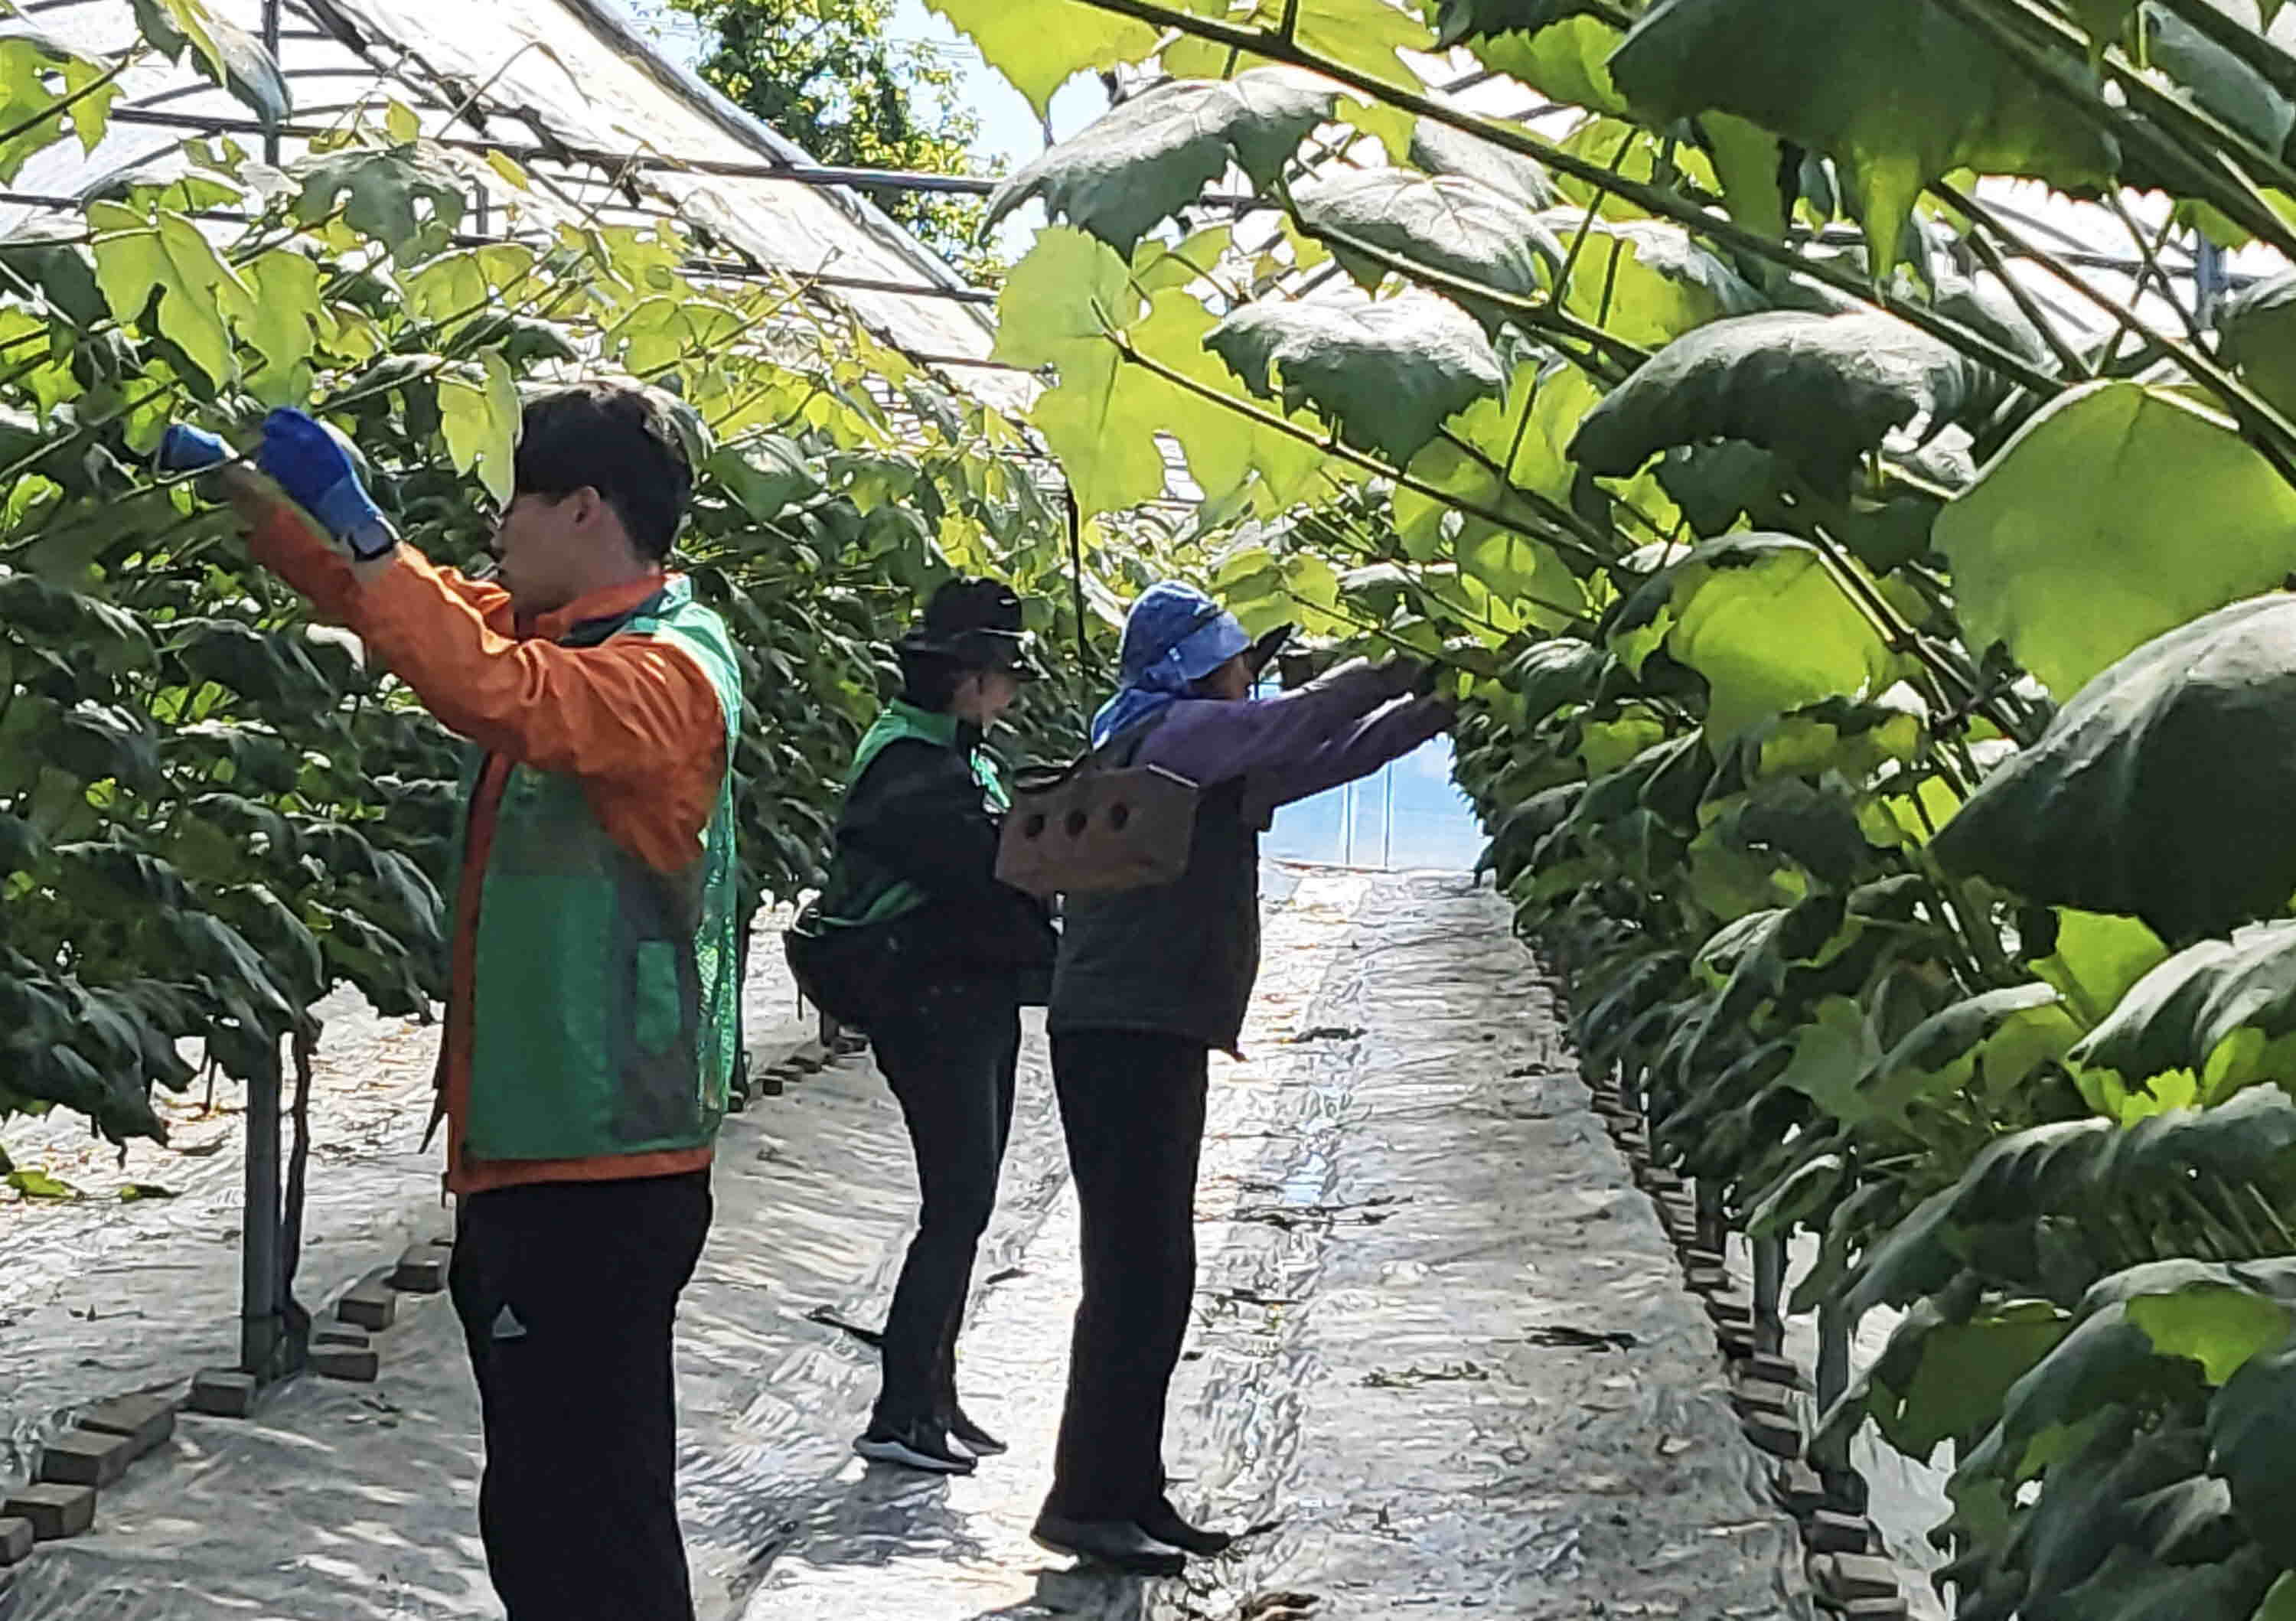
(1150, 982)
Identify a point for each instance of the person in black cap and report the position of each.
(914, 940)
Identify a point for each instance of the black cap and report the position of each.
(975, 623)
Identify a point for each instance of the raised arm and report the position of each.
(1212, 742)
(1388, 733)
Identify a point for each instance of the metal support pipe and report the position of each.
(271, 45)
(260, 1324)
(1832, 1355)
(1712, 1232)
(1770, 1295)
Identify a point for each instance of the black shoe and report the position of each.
(921, 1446)
(1117, 1543)
(1164, 1522)
(974, 1439)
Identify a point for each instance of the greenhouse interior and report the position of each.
(1442, 779)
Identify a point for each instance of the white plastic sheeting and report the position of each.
(529, 73)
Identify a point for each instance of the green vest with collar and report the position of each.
(858, 891)
(606, 996)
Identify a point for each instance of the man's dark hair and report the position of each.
(619, 441)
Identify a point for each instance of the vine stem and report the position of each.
(1664, 204)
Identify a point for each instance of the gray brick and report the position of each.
(55, 1511)
(421, 1271)
(146, 1419)
(346, 1361)
(370, 1306)
(223, 1393)
(16, 1540)
(85, 1457)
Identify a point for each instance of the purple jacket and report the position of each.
(1342, 725)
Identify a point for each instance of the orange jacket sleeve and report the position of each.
(635, 720)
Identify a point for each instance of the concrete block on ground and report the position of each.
(769, 1086)
(1876, 1609)
(1774, 1434)
(147, 1420)
(1755, 1396)
(16, 1540)
(359, 1363)
(339, 1334)
(223, 1393)
(810, 1058)
(85, 1457)
(368, 1306)
(1832, 1533)
(1849, 1576)
(1707, 1280)
(54, 1511)
(1798, 1489)
(1777, 1370)
(422, 1270)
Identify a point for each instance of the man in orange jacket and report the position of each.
(592, 1006)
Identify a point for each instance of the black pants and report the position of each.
(1133, 1108)
(949, 1058)
(567, 1292)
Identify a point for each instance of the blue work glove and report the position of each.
(185, 450)
(307, 462)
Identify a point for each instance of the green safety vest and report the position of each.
(858, 890)
(606, 1015)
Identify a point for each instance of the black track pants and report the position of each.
(950, 1060)
(567, 1292)
(1133, 1108)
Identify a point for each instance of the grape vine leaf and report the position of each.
(1363, 35)
(1898, 91)
(2071, 551)
(2251, 1426)
(2259, 323)
(2081, 818)
(1439, 149)
(1456, 20)
(1761, 617)
(408, 198)
(134, 256)
(2222, 1012)
(2219, 83)
(2001, 1035)
(1821, 391)
(479, 417)
(1138, 163)
(1040, 46)
(1457, 227)
(229, 54)
(1569, 63)
(1646, 281)
(1384, 373)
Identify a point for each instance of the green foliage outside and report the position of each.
(824, 73)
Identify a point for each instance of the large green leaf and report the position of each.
(1137, 164)
(2221, 1013)
(1460, 19)
(1821, 390)
(1439, 148)
(2252, 1435)
(1765, 621)
(1990, 1042)
(2083, 818)
(1365, 35)
(1039, 47)
(1453, 226)
(1568, 61)
(1898, 91)
(408, 198)
(1647, 281)
(1384, 373)
(2071, 549)
(1939, 1380)
(2258, 325)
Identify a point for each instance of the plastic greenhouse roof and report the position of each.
(538, 77)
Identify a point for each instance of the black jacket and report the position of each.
(918, 816)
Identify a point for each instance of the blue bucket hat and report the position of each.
(1173, 638)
